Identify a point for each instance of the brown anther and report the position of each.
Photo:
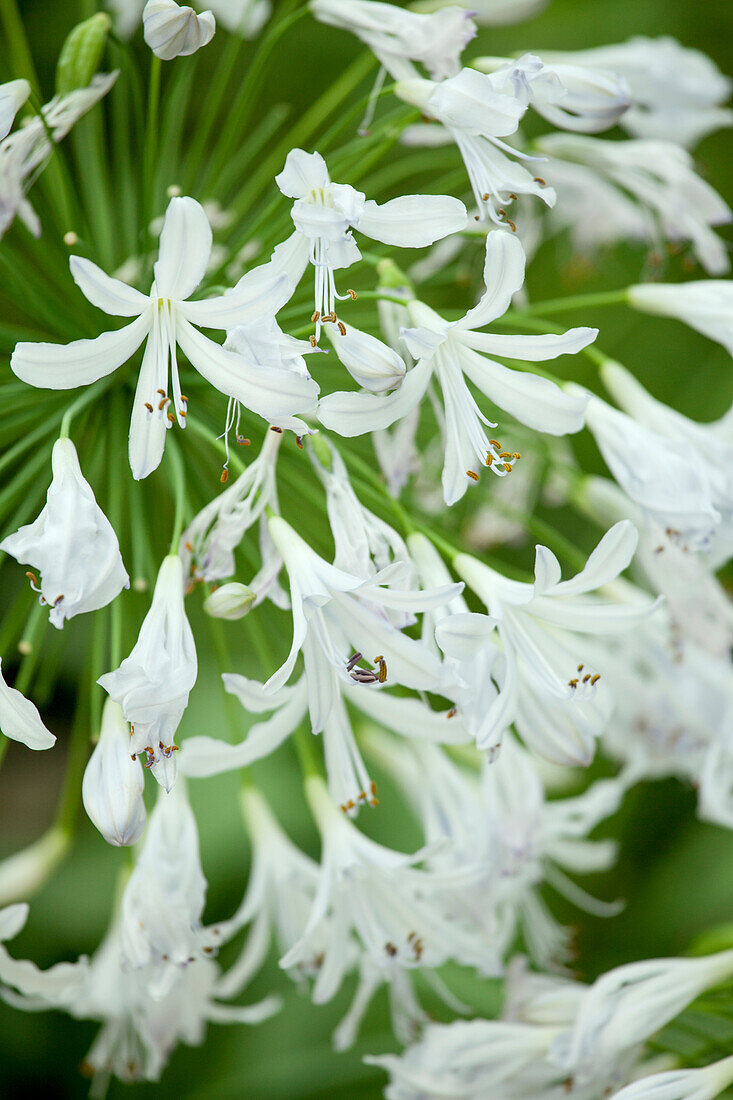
(184, 398)
(580, 668)
(316, 316)
(596, 678)
(512, 196)
(162, 404)
(382, 668)
(57, 601)
(501, 211)
(353, 660)
(511, 225)
(516, 455)
(274, 428)
(477, 217)
(452, 712)
(148, 406)
(182, 413)
(162, 393)
(133, 757)
(508, 467)
(485, 196)
(489, 460)
(172, 418)
(572, 683)
(539, 179)
(313, 341)
(586, 678)
(31, 577)
(242, 441)
(342, 328)
(472, 475)
(373, 789)
(390, 949)
(299, 442)
(505, 454)
(224, 476)
(361, 797)
(495, 443)
(208, 950)
(189, 547)
(352, 294)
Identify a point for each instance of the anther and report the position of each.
(189, 547)
(148, 406)
(596, 678)
(352, 294)
(353, 660)
(505, 454)
(162, 404)
(382, 668)
(299, 442)
(586, 678)
(572, 683)
(472, 475)
(224, 476)
(489, 460)
(57, 601)
(508, 467)
(485, 196)
(511, 225)
(316, 316)
(172, 418)
(31, 577)
(183, 413)
(274, 428)
(390, 949)
(539, 179)
(162, 393)
(243, 442)
(512, 196)
(452, 712)
(516, 455)
(495, 443)
(342, 328)
(184, 398)
(580, 668)
(313, 341)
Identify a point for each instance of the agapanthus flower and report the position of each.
(452, 351)
(398, 37)
(681, 1084)
(20, 720)
(324, 214)
(112, 790)
(72, 544)
(153, 683)
(175, 30)
(165, 319)
(705, 305)
(245, 17)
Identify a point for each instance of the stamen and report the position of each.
(275, 429)
(224, 476)
(472, 475)
(539, 179)
(382, 668)
(313, 341)
(148, 406)
(352, 294)
(353, 660)
(299, 442)
(315, 316)
(242, 442)
(342, 328)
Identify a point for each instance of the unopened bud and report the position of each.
(112, 790)
(230, 601)
(81, 53)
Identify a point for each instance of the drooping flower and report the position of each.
(450, 351)
(705, 305)
(72, 544)
(245, 17)
(152, 684)
(165, 319)
(477, 117)
(175, 30)
(25, 152)
(398, 37)
(324, 213)
(112, 789)
(20, 720)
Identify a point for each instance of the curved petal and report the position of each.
(547, 572)
(534, 401)
(20, 720)
(351, 414)
(271, 393)
(65, 366)
(462, 635)
(611, 556)
(412, 221)
(372, 364)
(503, 276)
(147, 428)
(108, 294)
(185, 248)
(533, 349)
(303, 172)
(260, 293)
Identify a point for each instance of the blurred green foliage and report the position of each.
(676, 873)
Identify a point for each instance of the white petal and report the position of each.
(611, 556)
(534, 401)
(547, 572)
(108, 294)
(412, 221)
(503, 276)
(303, 172)
(172, 30)
(351, 414)
(147, 429)
(20, 720)
(273, 394)
(531, 348)
(65, 366)
(462, 635)
(371, 363)
(12, 97)
(468, 102)
(260, 293)
(185, 248)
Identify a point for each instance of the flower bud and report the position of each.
(81, 53)
(112, 789)
(175, 31)
(230, 601)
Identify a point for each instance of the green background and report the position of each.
(675, 872)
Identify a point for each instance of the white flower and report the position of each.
(371, 363)
(12, 97)
(681, 1084)
(72, 544)
(20, 720)
(164, 319)
(627, 1005)
(677, 92)
(324, 213)
(660, 179)
(245, 17)
(476, 117)
(398, 37)
(112, 789)
(709, 447)
(152, 684)
(175, 31)
(394, 909)
(706, 305)
(449, 351)
(25, 152)
(541, 664)
(491, 12)
(230, 601)
(569, 96)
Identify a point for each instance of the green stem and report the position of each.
(308, 758)
(91, 393)
(179, 481)
(151, 140)
(578, 301)
(18, 50)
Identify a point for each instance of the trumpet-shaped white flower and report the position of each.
(398, 37)
(165, 319)
(672, 202)
(72, 544)
(706, 305)
(681, 1084)
(450, 351)
(541, 656)
(20, 720)
(152, 685)
(245, 17)
(571, 97)
(395, 910)
(12, 97)
(477, 117)
(324, 213)
(112, 789)
(677, 92)
(371, 363)
(25, 152)
(175, 30)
